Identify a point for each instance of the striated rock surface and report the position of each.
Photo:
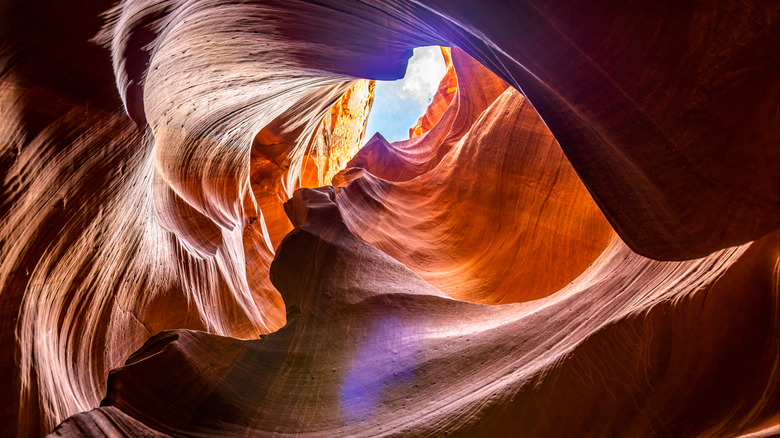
(527, 225)
(571, 149)
(372, 349)
(341, 134)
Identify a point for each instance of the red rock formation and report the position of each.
(528, 226)
(341, 133)
(153, 231)
(406, 160)
(372, 349)
(337, 138)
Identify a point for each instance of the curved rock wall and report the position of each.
(137, 231)
(528, 226)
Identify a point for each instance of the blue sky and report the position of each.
(398, 104)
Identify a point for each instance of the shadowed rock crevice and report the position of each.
(580, 238)
(373, 350)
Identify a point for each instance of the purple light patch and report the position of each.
(387, 357)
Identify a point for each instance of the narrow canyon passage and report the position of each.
(201, 234)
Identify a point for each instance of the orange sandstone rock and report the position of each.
(502, 217)
(341, 134)
(152, 228)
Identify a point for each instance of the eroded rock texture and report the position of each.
(606, 175)
(491, 157)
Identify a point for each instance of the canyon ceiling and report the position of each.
(580, 238)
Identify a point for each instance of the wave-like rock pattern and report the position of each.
(528, 226)
(122, 224)
(371, 349)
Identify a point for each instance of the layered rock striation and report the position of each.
(580, 238)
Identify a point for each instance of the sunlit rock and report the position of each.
(605, 176)
(341, 134)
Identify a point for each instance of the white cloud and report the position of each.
(423, 73)
(398, 104)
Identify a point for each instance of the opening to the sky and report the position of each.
(399, 104)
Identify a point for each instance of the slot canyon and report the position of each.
(199, 237)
